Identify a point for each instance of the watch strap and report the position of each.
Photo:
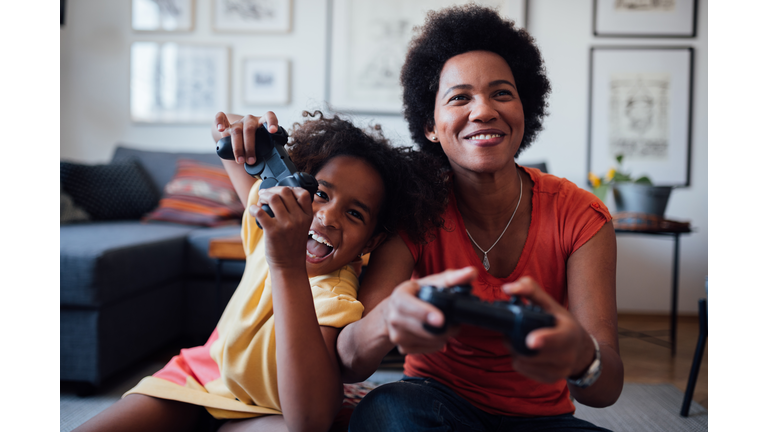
(593, 371)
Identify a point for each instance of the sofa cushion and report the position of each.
(70, 212)
(199, 194)
(199, 264)
(161, 166)
(109, 192)
(102, 262)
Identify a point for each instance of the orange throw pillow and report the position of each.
(198, 194)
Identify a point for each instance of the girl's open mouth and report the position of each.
(318, 247)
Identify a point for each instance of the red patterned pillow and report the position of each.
(199, 194)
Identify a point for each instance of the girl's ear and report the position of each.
(373, 243)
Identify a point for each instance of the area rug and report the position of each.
(641, 407)
(647, 407)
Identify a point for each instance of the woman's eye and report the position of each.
(505, 93)
(322, 195)
(458, 98)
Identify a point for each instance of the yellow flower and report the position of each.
(611, 173)
(595, 180)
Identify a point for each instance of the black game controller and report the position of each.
(273, 165)
(513, 318)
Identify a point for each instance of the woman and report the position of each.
(475, 95)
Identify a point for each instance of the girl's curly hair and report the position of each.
(410, 178)
(456, 30)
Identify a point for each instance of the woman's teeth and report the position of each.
(484, 136)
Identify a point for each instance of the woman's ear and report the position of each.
(373, 243)
(429, 132)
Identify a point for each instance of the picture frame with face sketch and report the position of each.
(644, 18)
(178, 82)
(368, 45)
(162, 15)
(266, 81)
(640, 107)
(252, 16)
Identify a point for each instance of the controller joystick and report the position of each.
(273, 165)
(513, 318)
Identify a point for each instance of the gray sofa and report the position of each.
(129, 288)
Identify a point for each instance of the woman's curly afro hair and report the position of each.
(459, 29)
(410, 177)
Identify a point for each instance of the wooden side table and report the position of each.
(224, 249)
(674, 233)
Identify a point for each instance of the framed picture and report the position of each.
(178, 82)
(266, 16)
(162, 15)
(640, 107)
(368, 45)
(645, 18)
(266, 81)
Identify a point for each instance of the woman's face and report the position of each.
(479, 118)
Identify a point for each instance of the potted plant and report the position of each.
(636, 196)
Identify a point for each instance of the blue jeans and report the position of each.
(418, 404)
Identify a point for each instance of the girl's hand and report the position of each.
(565, 350)
(406, 314)
(286, 233)
(243, 133)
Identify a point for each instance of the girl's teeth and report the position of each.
(319, 239)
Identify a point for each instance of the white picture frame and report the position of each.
(266, 81)
(252, 16)
(178, 82)
(369, 41)
(162, 15)
(643, 18)
(640, 107)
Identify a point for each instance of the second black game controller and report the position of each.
(273, 165)
(513, 318)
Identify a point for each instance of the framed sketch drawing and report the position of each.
(266, 16)
(369, 41)
(178, 83)
(645, 18)
(640, 107)
(162, 15)
(266, 81)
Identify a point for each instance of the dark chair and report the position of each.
(698, 355)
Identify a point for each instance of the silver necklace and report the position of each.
(486, 263)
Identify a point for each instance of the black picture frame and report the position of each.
(619, 76)
(617, 18)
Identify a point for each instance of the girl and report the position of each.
(271, 362)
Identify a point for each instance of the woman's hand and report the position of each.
(286, 233)
(406, 314)
(243, 133)
(565, 350)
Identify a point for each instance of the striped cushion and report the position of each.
(199, 194)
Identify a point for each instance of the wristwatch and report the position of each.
(593, 371)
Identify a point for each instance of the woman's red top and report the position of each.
(475, 363)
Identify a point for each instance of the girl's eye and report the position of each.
(322, 195)
(505, 93)
(357, 214)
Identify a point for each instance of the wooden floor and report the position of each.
(645, 361)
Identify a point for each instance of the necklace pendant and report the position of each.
(486, 263)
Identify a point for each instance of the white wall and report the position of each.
(95, 45)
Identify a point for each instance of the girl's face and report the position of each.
(346, 207)
(479, 119)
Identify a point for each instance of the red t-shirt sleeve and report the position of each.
(584, 215)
